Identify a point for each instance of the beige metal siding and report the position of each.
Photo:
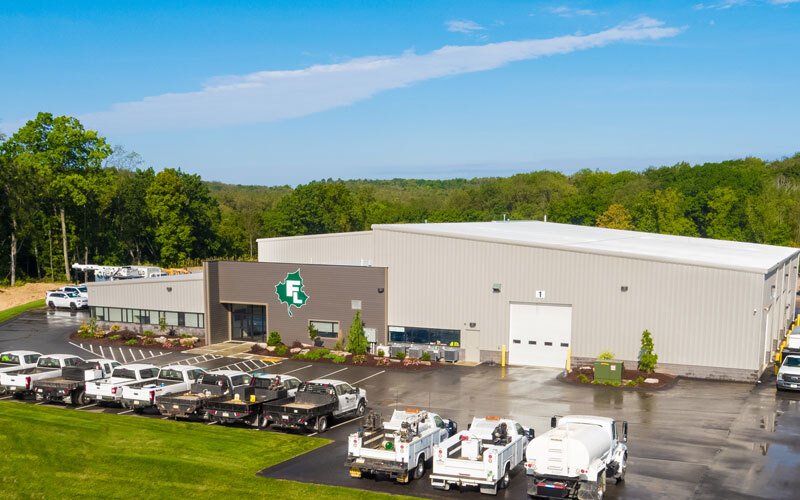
(150, 293)
(698, 316)
(351, 249)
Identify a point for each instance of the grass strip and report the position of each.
(7, 314)
(53, 452)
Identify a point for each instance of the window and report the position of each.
(171, 318)
(32, 358)
(141, 317)
(149, 373)
(155, 316)
(438, 421)
(248, 322)
(114, 314)
(241, 380)
(72, 361)
(99, 313)
(520, 430)
(291, 383)
(191, 320)
(416, 335)
(326, 329)
(195, 374)
(171, 375)
(342, 389)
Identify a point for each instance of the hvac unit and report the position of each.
(414, 352)
(451, 355)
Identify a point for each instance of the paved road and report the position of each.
(699, 439)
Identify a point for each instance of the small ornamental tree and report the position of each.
(357, 340)
(312, 332)
(647, 358)
(274, 339)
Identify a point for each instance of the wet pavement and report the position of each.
(699, 439)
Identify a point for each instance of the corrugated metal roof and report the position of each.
(705, 252)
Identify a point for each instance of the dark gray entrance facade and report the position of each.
(247, 300)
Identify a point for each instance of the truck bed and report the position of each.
(158, 382)
(58, 383)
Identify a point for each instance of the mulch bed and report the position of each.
(370, 361)
(665, 380)
(126, 335)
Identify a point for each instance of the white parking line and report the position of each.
(40, 403)
(6, 397)
(87, 406)
(297, 369)
(337, 425)
(367, 378)
(122, 353)
(91, 348)
(211, 423)
(332, 373)
(102, 354)
(151, 354)
(125, 412)
(140, 352)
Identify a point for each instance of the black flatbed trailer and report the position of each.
(311, 408)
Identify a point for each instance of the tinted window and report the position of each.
(124, 373)
(792, 361)
(48, 363)
(240, 380)
(520, 430)
(72, 361)
(9, 359)
(291, 383)
(417, 335)
(194, 374)
(149, 373)
(31, 358)
(438, 421)
(171, 375)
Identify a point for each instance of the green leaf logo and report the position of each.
(290, 292)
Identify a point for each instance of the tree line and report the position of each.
(68, 196)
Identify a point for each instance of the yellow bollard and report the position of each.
(503, 356)
(569, 349)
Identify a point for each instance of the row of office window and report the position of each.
(148, 317)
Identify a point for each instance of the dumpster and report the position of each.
(608, 370)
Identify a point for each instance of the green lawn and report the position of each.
(54, 452)
(16, 310)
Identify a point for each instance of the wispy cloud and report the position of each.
(269, 96)
(783, 2)
(565, 11)
(463, 26)
(721, 5)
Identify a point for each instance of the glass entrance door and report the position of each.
(248, 322)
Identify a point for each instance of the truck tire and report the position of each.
(51, 305)
(419, 470)
(72, 306)
(322, 424)
(263, 422)
(78, 398)
(361, 409)
(506, 479)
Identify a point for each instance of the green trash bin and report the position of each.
(608, 370)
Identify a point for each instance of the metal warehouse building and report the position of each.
(546, 291)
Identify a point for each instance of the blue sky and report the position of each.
(288, 92)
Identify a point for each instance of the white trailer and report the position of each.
(574, 459)
(483, 455)
(398, 448)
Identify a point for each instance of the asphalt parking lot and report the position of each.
(697, 440)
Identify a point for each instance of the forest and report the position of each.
(69, 196)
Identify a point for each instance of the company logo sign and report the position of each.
(290, 292)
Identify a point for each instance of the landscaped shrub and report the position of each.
(281, 350)
(149, 333)
(115, 328)
(357, 340)
(339, 359)
(274, 338)
(647, 358)
(381, 353)
(316, 354)
(131, 342)
(99, 333)
(583, 379)
(359, 359)
(426, 356)
(114, 337)
(605, 355)
(400, 355)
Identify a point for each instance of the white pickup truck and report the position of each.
(11, 361)
(574, 459)
(483, 455)
(20, 382)
(70, 387)
(315, 404)
(171, 380)
(109, 390)
(71, 300)
(398, 448)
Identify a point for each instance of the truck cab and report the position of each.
(789, 373)
(110, 389)
(171, 379)
(315, 404)
(18, 360)
(70, 387)
(211, 386)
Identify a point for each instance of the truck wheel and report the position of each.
(263, 422)
(72, 306)
(78, 398)
(361, 409)
(419, 470)
(506, 479)
(322, 424)
(51, 305)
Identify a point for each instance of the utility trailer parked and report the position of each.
(20, 382)
(484, 455)
(574, 459)
(315, 404)
(399, 448)
(70, 387)
(213, 385)
(263, 388)
(171, 380)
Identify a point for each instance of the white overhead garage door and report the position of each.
(539, 334)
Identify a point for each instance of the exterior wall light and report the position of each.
(496, 288)
(623, 288)
(169, 288)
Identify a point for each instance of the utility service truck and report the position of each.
(316, 403)
(70, 387)
(483, 455)
(20, 382)
(575, 457)
(171, 380)
(399, 448)
(248, 406)
(211, 386)
(109, 390)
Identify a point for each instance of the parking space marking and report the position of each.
(102, 354)
(211, 423)
(125, 412)
(141, 353)
(337, 425)
(40, 403)
(87, 406)
(164, 418)
(7, 397)
(297, 369)
(332, 373)
(367, 378)
(122, 353)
